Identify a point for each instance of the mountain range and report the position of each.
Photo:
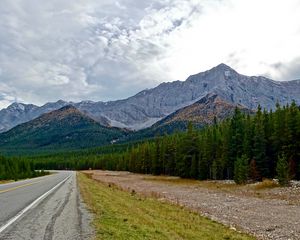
(202, 99)
(206, 111)
(152, 105)
(65, 128)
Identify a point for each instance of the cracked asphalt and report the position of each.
(59, 215)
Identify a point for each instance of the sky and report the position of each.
(107, 50)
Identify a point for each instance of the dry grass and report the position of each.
(266, 184)
(5, 181)
(126, 215)
(216, 185)
(264, 190)
(220, 185)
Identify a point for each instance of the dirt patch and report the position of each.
(268, 213)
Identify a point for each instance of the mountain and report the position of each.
(65, 128)
(15, 114)
(204, 112)
(150, 106)
(201, 113)
(18, 113)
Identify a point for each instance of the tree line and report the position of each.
(244, 147)
(15, 168)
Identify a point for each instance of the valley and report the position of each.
(203, 99)
(149, 120)
(208, 157)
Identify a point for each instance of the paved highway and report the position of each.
(43, 208)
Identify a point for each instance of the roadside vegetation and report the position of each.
(5, 181)
(15, 169)
(124, 215)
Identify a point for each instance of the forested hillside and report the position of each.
(242, 148)
(64, 129)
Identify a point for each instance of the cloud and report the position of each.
(86, 47)
(105, 50)
(7, 95)
(286, 70)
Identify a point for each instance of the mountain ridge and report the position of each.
(65, 128)
(151, 105)
(205, 111)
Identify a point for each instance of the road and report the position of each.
(46, 208)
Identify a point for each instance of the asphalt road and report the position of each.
(43, 208)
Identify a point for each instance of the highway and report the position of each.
(46, 208)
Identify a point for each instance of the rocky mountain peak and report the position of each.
(57, 103)
(62, 113)
(215, 76)
(149, 106)
(68, 108)
(205, 111)
(16, 106)
(223, 67)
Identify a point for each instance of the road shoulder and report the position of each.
(265, 217)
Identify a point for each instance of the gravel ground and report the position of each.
(267, 214)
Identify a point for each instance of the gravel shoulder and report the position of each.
(268, 213)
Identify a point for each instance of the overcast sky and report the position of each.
(106, 50)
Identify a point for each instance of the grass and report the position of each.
(5, 181)
(216, 185)
(123, 215)
(266, 184)
(210, 184)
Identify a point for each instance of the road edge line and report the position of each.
(26, 209)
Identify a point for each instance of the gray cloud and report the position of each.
(87, 49)
(105, 50)
(288, 70)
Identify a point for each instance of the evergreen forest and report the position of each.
(244, 148)
(15, 169)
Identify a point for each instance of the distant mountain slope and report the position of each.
(18, 113)
(201, 113)
(204, 111)
(66, 128)
(149, 106)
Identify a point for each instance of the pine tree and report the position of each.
(259, 145)
(291, 148)
(282, 170)
(241, 169)
(248, 138)
(194, 167)
(297, 141)
(189, 150)
(156, 168)
(254, 175)
(214, 169)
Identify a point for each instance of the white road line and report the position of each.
(15, 218)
